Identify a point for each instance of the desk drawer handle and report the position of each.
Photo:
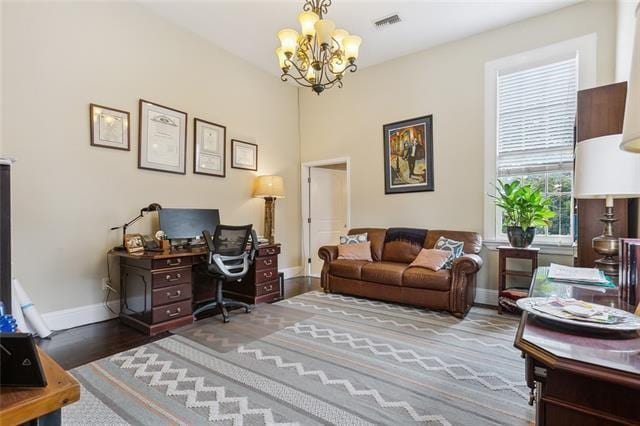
(168, 277)
(268, 274)
(177, 262)
(268, 288)
(178, 293)
(175, 314)
(268, 262)
(271, 251)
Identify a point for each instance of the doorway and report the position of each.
(326, 208)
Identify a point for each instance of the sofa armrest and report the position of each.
(463, 283)
(328, 254)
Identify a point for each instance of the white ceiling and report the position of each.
(248, 28)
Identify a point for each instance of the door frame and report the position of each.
(305, 201)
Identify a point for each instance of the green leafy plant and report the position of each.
(523, 205)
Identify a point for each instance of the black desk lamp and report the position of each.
(150, 208)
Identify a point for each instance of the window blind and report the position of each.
(536, 116)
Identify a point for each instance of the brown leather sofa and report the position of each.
(390, 278)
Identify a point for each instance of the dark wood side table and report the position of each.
(575, 377)
(508, 252)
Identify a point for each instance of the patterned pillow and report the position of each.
(455, 247)
(353, 239)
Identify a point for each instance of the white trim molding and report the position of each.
(486, 296)
(82, 315)
(545, 248)
(294, 271)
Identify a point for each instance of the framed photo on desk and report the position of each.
(162, 138)
(209, 148)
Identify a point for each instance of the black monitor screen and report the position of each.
(187, 223)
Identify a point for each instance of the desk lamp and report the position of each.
(269, 188)
(603, 171)
(150, 208)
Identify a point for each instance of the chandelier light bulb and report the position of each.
(288, 40)
(281, 57)
(351, 46)
(339, 35)
(324, 30)
(307, 21)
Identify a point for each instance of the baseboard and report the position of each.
(486, 296)
(82, 315)
(292, 272)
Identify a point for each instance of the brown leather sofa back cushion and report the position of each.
(376, 236)
(403, 244)
(472, 240)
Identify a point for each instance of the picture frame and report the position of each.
(162, 138)
(244, 155)
(134, 243)
(408, 155)
(109, 127)
(209, 148)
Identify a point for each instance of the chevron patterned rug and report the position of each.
(316, 359)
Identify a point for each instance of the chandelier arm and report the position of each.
(300, 80)
(301, 73)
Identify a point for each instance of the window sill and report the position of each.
(545, 248)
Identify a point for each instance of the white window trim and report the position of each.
(585, 48)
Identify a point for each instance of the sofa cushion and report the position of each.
(472, 240)
(358, 251)
(455, 247)
(384, 272)
(347, 268)
(353, 238)
(376, 237)
(416, 277)
(431, 259)
(403, 244)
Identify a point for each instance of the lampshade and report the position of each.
(281, 57)
(324, 29)
(269, 186)
(288, 40)
(631, 129)
(602, 170)
(307, 20)
(339, 35)
(351, 46)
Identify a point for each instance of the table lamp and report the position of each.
(604, 171)
(631, 129)
(150, 208)
(269, 188)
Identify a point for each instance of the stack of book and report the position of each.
(629, 270)
(580, 276)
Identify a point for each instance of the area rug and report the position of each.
(316, 359)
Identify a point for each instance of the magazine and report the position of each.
(578, 310)
(576, 275)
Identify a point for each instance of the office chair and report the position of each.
(229, 261)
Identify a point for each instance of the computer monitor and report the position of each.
(182, 224)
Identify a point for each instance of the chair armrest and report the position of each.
(467, 263)
(463, 283)
(328, 253)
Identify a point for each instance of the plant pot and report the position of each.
(520, 238)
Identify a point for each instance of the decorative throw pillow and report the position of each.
(431, 259)
(455, 247)
(353, 239)
(357, 251)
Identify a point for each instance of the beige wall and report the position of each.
(59, 57)
(448, 82)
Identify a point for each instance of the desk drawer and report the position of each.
(171, 277)
(266, 275)
(268, 251)
(172, 311)
(176, 293)
(268, 262)
(268, 287)
(171, 262)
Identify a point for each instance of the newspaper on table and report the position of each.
(576, 275)
(578, 310)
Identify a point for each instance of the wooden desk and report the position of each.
(159, 289)
(23, 405)
(577, 378)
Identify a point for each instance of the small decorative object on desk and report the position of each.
(134, 243)
(7, 322)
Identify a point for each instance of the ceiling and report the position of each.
(248, 28)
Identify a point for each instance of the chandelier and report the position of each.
(320, 56)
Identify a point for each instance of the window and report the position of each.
(536, 116)
(530, 109)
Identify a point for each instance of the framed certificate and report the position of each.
(244, 155)
(109, 127)
(162, 138)
(209, 148)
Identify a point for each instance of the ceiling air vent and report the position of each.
(386, 21)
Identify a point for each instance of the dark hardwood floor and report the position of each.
(77, 346)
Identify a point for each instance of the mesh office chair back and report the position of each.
(231, 240)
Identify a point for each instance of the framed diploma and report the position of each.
(162, 138)
(209, 148)
(244, 155)
(109, 127)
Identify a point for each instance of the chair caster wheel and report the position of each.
(247, 310)
(226, 320)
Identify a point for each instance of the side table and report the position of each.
(508, 252)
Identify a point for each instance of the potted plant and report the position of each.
(525, 208)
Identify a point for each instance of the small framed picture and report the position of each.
(244, 155)
(162, 138)
(134, 243)
(109, 127)
(209, 148)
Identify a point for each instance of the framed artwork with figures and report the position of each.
(209, 148)
(109, 127)
(162, 138)
(244, 155)
(408, 155)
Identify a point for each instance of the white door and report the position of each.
(327, 211)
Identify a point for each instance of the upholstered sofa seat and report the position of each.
(345, 268)
(416, 277)
(389, 273)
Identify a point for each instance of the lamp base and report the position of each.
(607, 246)
(269, 218)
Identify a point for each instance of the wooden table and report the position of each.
(39, 405)
(577, 378)
(508, 252)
